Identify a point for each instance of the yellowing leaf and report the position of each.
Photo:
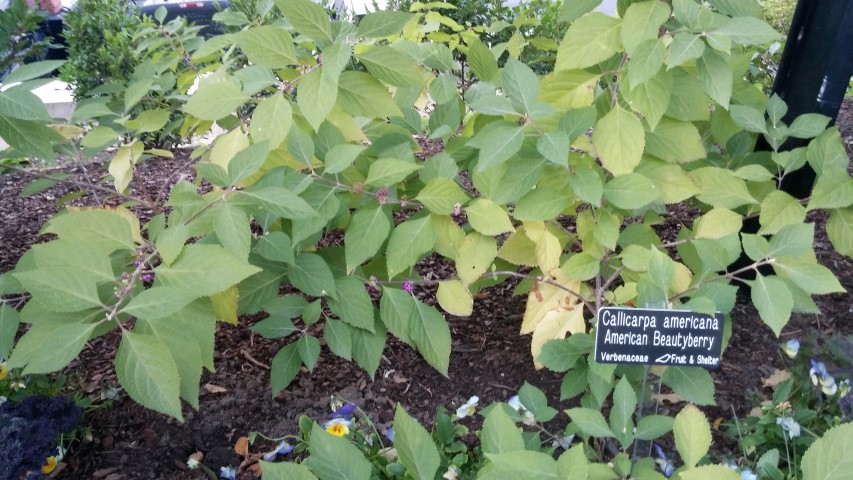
(225, 305)
(555, 325)
(519, 249)
(619, 140)
(121, 166)
(474, 257)
(546, 297)
(454, 298)
(777, 377)
(547, 246)
(569, 89)
(589, 41)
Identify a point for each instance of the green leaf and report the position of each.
(535, 401)
(648, 58)
(499, 433)
(675, 141)
(685, 47)
(31, 139)
(651, 427)
(590, 422)
(589, 42)
(8, 328)
(367, 231)
(811, 277)
(520, 84)
(409, 241)
(203, 270)
(773, 300)
(271, 120)
(710, 472)
(718, 223)
(339, 338)
(748, 31)
(778, 210)
(826, 153)
(48, 348)
(156, 302)
(808, 125)
(721, 188)
(839, 227)
(690, 383)
(309, 350)
(284, 367)
(267, 46)
(622, 412)
(247, 162)
(316, 96)
(308, 18)
(414, 446)
(828, 457)
(482, 61)
(335, 458)
(340, 157)
(619, 140)
(555, 147)
(391, 66)
(396, 309)
(692, 435)
(498, 144)
(388, 171)
(542, 203)
(431, 335)
(488, 218)
(311, 275)
(20, 103)
(441, 195)
(474, 257)
(454, 298)
(792, 241)
(215, 99)
(641, 22)
(280, 202)
(367, 347)
(560, 355)
(99, 137)
(275, 246)
(285, 471)
(748, 118)
(715, 75)
(353, 304)
(382, 23)
(832, 191)
(631, 191)
(32, 70)
(148, 373)
(61, 288)
(653, 96)
(150, 121)
(362, 95)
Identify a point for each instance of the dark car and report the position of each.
(199, 12)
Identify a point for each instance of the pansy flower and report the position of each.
(748, 474)
(227, 473)
(389, 434)
(791, 348)
(283, 448)
(52, 461)
(452, 473)
(665, 465)
(789, 425)
(338, 426)
(344, 412)
(843, 390)
(820, 376)
(193, 464)
(468, 408)
(526, 415)
(3, 370)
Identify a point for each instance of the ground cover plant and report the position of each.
(557, 181)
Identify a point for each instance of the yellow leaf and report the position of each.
(548, 248)
(776, 378)
(227, 145)
(519, 249)
(682, 278)
(474, 257)
(454, 298)
(569, 89)
(121, 168)
(546, 297)
(225, 305)
(122, 212)
(555, 325)
(68, 131)
(448, 235)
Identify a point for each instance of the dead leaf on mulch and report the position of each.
(777, 377)
(242, 447)
(211, 388)
(668, 397)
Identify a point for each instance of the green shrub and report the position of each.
(779, 14)
(17, 44)
(100, 47)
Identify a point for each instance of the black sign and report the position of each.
(658, 337)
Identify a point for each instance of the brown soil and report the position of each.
(489, 359)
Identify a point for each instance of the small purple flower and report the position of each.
(344, 412)
(665, 465)
(283, 448)
(389, 434)
(408, 286)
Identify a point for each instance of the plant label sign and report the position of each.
(658, 337)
